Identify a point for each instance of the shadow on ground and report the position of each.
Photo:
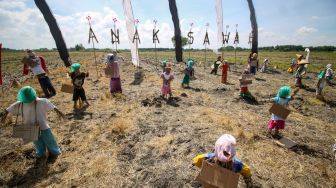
(138, 78)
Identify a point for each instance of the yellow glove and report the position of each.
(198, 160)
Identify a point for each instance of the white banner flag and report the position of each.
(128, 11)
(219, 11)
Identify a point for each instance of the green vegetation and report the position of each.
(318, 60)
(184, 41)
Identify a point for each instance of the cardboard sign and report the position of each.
(28, 133)
(279, 110)
(245, 82)
(67, 88)
(285, 142)
(212, 175)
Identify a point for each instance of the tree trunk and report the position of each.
(254, 26)
(55, 31)
(178, 39)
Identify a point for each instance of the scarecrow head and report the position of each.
(167, 69)
(225, 149)
(26, 94)
(75, 67)
(284, 92)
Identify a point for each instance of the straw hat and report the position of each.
(303, 62)
(298, 56)
(254, 55)
(26, 94)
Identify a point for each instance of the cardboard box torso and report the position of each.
(67, 88)
(279, 110)
(212, 175)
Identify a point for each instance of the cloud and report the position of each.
(13, 4)
(306, 30)
(315, 17)
(265, 34)
(23, 27)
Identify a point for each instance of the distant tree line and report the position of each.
(280, 48)
(286, 48)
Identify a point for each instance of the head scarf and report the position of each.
(26, 94)
(164, 63)
(30, 53)
(328, 66)
(75, 66)
(225, 143)
(284, 92)
(110, 58)
(190, 63)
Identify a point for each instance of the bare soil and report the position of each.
(137, 139)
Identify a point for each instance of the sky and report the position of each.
(280, 22)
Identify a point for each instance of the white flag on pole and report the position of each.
(219, 11)
(128, 11)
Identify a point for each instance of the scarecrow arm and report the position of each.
(59, 113)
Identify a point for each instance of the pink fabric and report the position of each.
(165, 88)
(114, 67)
(225, 143)
(278, 124)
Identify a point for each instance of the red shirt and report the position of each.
(225, 67)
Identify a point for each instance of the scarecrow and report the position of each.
(329, 74)
(300, 72)
(216, 65)
(294, 63)
(323, 77)
(188, 71)
(225, 156)
(77, 79)
(225, 67)
(166, 77)
(33, 111)
(244, 82)
(39, 69)
(112, 71)
(264, 67)
(253, 63)
(283, 97)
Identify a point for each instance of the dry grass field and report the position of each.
(137, 139)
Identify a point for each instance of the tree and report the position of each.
(55, 30)
(79, 47)
(184, 41)
(254, 26)
(177, 30)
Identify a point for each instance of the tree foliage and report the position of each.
(79, 47)
(184, 41)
